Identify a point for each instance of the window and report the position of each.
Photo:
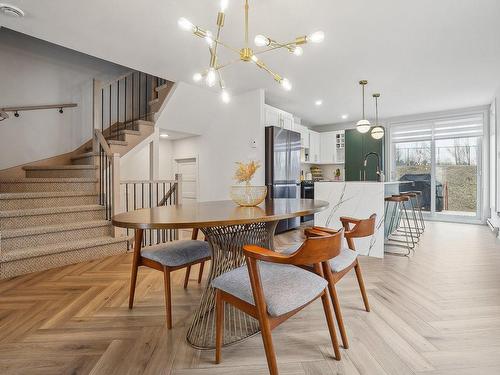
(443, 157)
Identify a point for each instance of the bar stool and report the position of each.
(395, 210)
(418, 206)
(416, 231)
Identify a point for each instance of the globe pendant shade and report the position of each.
(377, 132)
(363, 126)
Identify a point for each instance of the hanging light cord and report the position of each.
(363, 101)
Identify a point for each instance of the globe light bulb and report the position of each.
(223, 5)
(261, 41)
(285, 83)
(316, 37)
(298, 51)
(185, 24)
(197, 77)
(226, 98)
(210, 79)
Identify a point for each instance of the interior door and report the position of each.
(189, 169)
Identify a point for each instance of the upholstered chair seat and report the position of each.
(178, 253)
(285, 287)
(167, 258)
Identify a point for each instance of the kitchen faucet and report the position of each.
(380, 174)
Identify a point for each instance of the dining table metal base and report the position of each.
(227, 254)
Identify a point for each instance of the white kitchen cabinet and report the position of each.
(328, 151)
(287, 120)
(304, 134)
(314, 147)
(340, 147)
(272, 116)
(279, 118)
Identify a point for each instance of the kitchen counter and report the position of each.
(358, 199)
(368, 182)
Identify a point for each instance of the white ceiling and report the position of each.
(423, 55)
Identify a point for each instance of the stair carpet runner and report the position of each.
(52, 217)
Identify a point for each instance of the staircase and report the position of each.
(54, 215)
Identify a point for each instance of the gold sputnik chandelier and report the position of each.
(212, 75)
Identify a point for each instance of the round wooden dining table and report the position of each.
(227, 227)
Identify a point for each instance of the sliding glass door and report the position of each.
(457, 173)
(413, 162)
(443, 159)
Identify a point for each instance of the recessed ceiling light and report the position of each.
(345, 117)
(11, 10)
(164, 135)
(318, 102)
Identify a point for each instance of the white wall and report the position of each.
(135, 165)
(34, 72)
(226, 132)
(166, 154)
(495, 161)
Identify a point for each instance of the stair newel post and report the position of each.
(178, 200)
(178, 188)
(96, 111)
(116, 197)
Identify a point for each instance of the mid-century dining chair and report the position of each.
(345, 261)
(271, 288)
(169, 257)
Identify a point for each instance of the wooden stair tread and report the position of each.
(50, 210)
(46, 194)
(30, 252)
(117, 142)
(30, 180)
(153, 101)
(163, 87)
(29, 231)
(144, 122)
(129, 131)
(84, 155)
(59, 167)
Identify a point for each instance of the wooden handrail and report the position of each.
(38, 107)
(169, 193)
(148, 181)
(102, 141)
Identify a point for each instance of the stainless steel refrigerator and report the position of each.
(283, 169)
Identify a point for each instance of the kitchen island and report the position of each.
(358, 199)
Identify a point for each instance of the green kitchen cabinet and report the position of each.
(357, 145)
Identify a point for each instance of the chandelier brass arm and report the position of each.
(246, 53)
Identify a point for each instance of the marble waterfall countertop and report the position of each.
(358, 199)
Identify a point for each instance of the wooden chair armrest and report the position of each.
(313, 232)
(260, 253)
(326, 230)
(345, 219)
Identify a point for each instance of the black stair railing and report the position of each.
(126, 100)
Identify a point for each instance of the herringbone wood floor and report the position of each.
(436, 313)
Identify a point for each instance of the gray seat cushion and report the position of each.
(285, 287)
(178, 253)
(337, 264)
(343, 260)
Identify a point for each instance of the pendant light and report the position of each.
(377, 131)
(363, 125)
